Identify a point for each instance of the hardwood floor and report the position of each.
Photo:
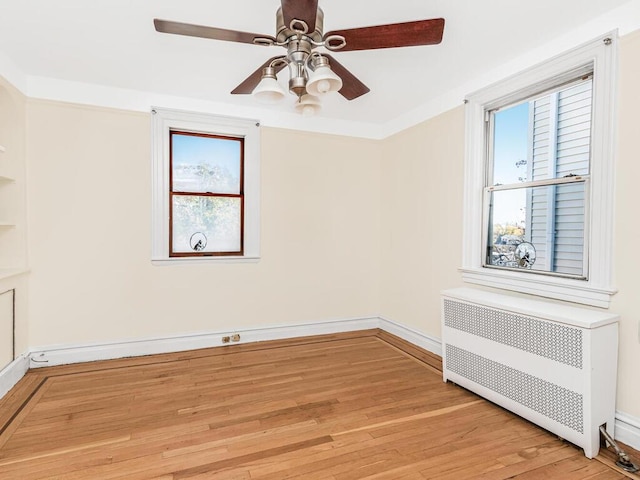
(339, 407)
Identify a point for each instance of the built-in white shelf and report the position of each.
(5, 179)
(2, 149)
(12, 272)
(6, 224)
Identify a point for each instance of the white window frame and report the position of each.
(165, 120)
(597, 289)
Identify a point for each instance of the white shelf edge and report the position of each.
(2, 149)
(4, 178)
(12, 272)
(7, 224)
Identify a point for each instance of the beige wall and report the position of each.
(627, 227)
(422, 175)
(422, 221)
(89, 241)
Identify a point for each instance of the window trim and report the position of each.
(163, 122)
(600, 55)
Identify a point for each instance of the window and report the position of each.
(537, 181)
(206, 194)
(538, 211)
(205, 188)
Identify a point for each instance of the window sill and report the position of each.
(570, 290)
(202, 260)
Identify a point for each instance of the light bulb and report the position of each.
(322, 79)
(308, 105)
(324, 86)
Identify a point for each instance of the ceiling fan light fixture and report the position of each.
(321, 78)
(300, 30)
(268, 90)
(308, 105)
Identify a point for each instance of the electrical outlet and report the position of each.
(226, 339)
(235, 337)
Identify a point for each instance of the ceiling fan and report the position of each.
(299, 29)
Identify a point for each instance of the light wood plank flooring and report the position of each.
(339, 407)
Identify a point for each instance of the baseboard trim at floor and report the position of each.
(62, 355)
(408, 348)
(419, 339)
(627, 430)
(65, 354)
(13, 373)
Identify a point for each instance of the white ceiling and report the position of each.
(112, 43)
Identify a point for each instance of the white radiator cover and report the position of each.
(553, 364)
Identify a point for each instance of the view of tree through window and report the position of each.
(536, 182)
(206, 201)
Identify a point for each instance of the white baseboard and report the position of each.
(47, 356)
(12, 373)
(52, 355)
(627, 429)
(432, 344)
(65, 354)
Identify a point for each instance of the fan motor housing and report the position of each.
(284, 32)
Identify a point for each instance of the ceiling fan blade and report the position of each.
(305, 10)
(177, 28)
(407, 34)
(351, 87)
(252, 81)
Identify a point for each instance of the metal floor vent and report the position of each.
(552, 364)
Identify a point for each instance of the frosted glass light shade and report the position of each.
(268, 91)
(308, 105)
(323, 80)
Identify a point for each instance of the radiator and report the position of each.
(553, 364)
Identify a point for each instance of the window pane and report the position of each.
(205, 164)
(510, 145)
(545, 138)
(206, 224)
(574, 130)
(550, 218)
